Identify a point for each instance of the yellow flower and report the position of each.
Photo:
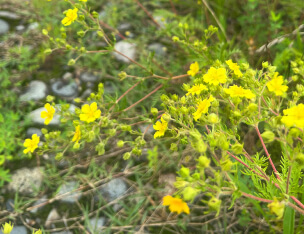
(236, 91)
(89, 113)
(202, 107)
(215, 76)
(37, 232)
(235, 68)
(277, 208)
(48, 114)
(276, 85)
(31, 144)
(196, 89)
(77, 134)
(176, 204)
(160, 127)
(7, 228)
(70, 17)
(294, 116)
(194, 68)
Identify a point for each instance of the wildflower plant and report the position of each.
(218, 97)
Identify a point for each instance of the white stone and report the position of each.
(4, 27)
(125, 48)
(36, 91)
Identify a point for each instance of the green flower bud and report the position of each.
(203, 162)
(197, 141)
(294, 132)
(184, 110)
(183, 100)
(77, 100)
(175, 38)
(174, 97)
(81, 33)
(136, 151)
(48, 51)
(59, 156)
(164, 98)
(45, 32)
(265, 64)
(154, 111)
(222, 142)
(252, 107)
(213, 118)
(125, 128)
(120, 143)
(71, 62)
(300, 88)
(76, 146)
(91, 136)
(78, 5)
(296, 70)
(44, 131)
(111, 132)
(184, 141)
(81, 17)
(189, 193)
(215, 205)
(180, 183)
(63, 35)
(184, 172)
(186, 87)
(293, 64)
(100, 33)
(226, 164)
(95, 14)
(173, 147)
(272, 68)
(237, 148)
(126, 156)
(50, 98)
(122, 75)
(300, 159)
(166, 117)
(295, 78)
(100, 148)
(196, 176)
(268, 136)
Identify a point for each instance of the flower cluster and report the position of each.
(276, 85)
(31, 144)
(237, 91)
(202, 107)
(234, 67)
(196, 89)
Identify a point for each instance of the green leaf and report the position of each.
(289, 221)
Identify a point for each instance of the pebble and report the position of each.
(88, 77)
(4, 27)
(26, 180)
(31, 131)
(9, 15)
(65, 89)
(72, 197)
(96, 224)
(18, 230)
(37, 90)
(53, 215)
(112, 190)
(127, 49)
(10, 205)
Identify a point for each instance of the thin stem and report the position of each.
(297, 201)
(147, 12)
(145, 97)
(256, 198)
(133, 61)
(288, 178)
(268, 155)
(295, 208)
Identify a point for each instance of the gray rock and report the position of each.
(125, 48)
(33, 26)
(124, 27)
(158, 48)
(109, 87)
(4, 27)
(112, 190)
(20, 27)
(86, 93)
(26, 180)
(67, 76)
(88, 77)
(72, 197)
(35, 115)
(18, 230)
(95, 224)
(65, 89)
(37, 90)
(143, 128)
(53, 215)
(38, 202)
(31, 131)
(9, 15)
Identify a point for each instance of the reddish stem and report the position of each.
(268, 155)
(147, 12)
(256, 198)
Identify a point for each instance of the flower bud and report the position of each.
(122, 75)
(120, 143)
(226, 164)
(184, 172)
(237, 148)
(166, 117)
(100, 33)
(175, 38)
(50, 98)
(81, 33)
(81, 17)
(100, 148)
(300, 159)
(252, 107)
(300, 88)
(265, 64)
(76, 146)
(213, 118)
(196, 141)
(126, 156)
(222, 142)
(203, 162)
(48, 51)
(71, 62)
(59, 156)
(173, 147)
(268, 136)
(95, 14)
(45, 32)
(215, 205)
(180, 183)
(189, 193)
